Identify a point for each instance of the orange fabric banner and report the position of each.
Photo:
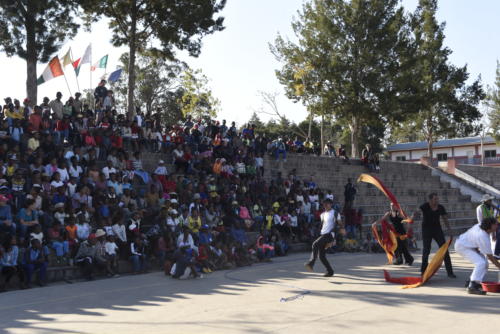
(432, 268)
(388, 240)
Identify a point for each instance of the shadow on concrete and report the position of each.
(31, 310)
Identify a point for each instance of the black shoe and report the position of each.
(328, 274)
(472, 291)
(308, 266)
(475, 288)
(452, 275)
(411, 262)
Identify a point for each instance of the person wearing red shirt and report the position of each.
(35, 119)
(62, 129)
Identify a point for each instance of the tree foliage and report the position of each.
(158, 25)
(493, 104)
(352, 61)
(197, 99)
(447, 106)
(158, 85)
(34, 30)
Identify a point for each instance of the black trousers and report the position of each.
(318, 249)
(438, 236)
(402, 251)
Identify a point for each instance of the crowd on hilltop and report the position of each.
(74, 192)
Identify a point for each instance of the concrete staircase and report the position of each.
(409, 182)
(489, 175)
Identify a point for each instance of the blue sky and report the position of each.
(239, 64)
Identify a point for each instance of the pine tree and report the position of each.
(493, 103)
(351, 61)
(447, 106)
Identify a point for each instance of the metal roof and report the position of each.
(422, 145)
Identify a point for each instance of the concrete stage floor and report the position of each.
(280, 297)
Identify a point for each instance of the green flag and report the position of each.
(101, 63)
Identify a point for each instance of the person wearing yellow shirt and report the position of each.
(269, 220)
(11, 112)
(194, 221)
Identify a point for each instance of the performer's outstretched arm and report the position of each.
(493, 260)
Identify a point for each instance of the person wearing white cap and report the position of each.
(161, 169)
(475, 246)
(487, 210)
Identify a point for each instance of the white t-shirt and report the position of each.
(328, 220)
(64, 174)
(106, 171)
(161, 170)
(475, 237)
(57, 184)
(111, 248)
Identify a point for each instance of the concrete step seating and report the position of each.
(487, 174)
(411, 183)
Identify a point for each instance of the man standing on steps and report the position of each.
(349, 194)
(329, 219)
(432, 213)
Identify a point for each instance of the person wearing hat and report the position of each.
(329, 219)
(196, 204)
(161, 173)
(87, 257)
(475, 246)
(487, 210)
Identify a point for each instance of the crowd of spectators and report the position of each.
(74, 192)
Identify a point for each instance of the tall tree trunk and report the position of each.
(429, 151)
(31, 56)
(354, 127)
(322, 137)
(430, 141)
(131, 62)
(310, 125)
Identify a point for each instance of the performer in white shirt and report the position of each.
(475, 246)
(329, 219)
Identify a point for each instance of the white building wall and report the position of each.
(416, 155)
(437, 151)
(462, 151)
(395, 155)
(458, 152)
(489, 147)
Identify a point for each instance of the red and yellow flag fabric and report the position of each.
(388, 240)
(372, 179)
(432, 268)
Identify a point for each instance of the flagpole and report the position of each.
(67, 85)
(90, 69)
(76, 76)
